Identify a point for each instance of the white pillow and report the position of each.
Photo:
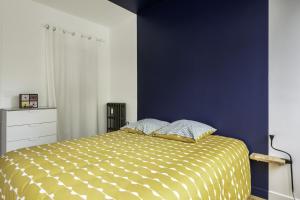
(185, 130)
(145, 126)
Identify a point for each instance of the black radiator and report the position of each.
(116, 116)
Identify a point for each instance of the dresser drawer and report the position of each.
(15, 118)
(15, 133)
(10, 146)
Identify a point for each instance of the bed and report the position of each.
(121, 165)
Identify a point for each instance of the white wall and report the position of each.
(1, 47)
(22, 59)
(123, 39)
(284, 92)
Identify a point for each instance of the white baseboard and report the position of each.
(277, 196)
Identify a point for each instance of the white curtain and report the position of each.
(72, 82)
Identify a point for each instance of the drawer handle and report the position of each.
(33, 125)
(32, 139)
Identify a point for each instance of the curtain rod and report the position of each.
(47, 26)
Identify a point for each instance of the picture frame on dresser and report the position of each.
(28, 101)
(21, 128)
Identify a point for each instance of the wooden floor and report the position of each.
(252, 197)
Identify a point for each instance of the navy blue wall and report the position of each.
(135, 6)
(208, 61)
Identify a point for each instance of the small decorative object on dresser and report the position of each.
(116, 116)
(21, 128)
(28, 100)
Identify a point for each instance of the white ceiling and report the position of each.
(99, 11)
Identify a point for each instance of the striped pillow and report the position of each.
(145, 126)
(185, 130)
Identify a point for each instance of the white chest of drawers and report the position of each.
(26, 128)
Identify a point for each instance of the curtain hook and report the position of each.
(54, 28)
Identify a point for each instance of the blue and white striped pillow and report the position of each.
(145, 126)
(185, 130)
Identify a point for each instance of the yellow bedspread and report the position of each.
(129, 166)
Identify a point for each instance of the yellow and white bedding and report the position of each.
(122, 165)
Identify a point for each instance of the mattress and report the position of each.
(122, 165)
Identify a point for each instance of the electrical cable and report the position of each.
(288, 161)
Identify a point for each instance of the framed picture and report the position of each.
(28, 100)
